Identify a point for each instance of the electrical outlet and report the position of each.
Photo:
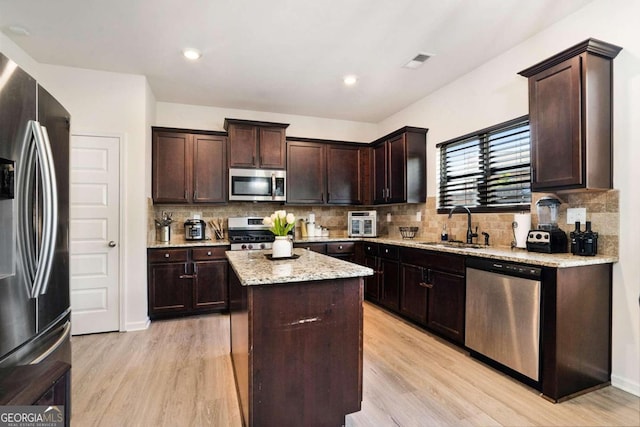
(388, 217)
(419, 216)
(576, 214)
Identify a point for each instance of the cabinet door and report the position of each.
(372, 283)
(169, 288)
(210, 285)
(305, 172)
(447, 305)
(554, 108)
(390, 290)
(320, 248)
(209, 169)
(380, 173)
(343, 175)
(171, 167)
(413, 297)
(243, 146)
(397, 170)
(272, 148)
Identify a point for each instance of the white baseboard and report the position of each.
(138, 326)
(626, 385)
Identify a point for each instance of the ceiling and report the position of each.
(284, 56)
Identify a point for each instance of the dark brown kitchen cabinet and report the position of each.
(389, 277)
(254, 144)
(399, 167)
(344, 174)
(319, 172)
(342, 250)
(433, 291)
(445, 312)
(372, 260)
(306, 172)
(187, 281)
(570, 112)
(188, 167)
(413, 302)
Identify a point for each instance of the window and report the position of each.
(487, 171)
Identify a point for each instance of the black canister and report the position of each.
(589, 241)
(576, 239)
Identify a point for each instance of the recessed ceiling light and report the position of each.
(417, 61)
(192, 54)
(350, 80)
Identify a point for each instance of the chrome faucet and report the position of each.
(470, 234)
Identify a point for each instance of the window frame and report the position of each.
(482, 136)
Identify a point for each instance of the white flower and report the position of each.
(281, 214)
(291, 218)
(267, 221)
(273, 217)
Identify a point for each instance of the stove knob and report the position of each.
(244, 247)
(250, 247)
(262, 246)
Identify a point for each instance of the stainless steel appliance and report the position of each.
(548, 237)
(247, 233)
(34, 222)
(257, 185)
(194, 229)
(362, 223)
(502, 319)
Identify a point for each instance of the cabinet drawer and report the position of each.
(341, 248)
(434, 260)
(315, 247)
(168, 255)
(390, 252)
(370, 249)
(213, 252)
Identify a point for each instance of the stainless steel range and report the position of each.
(249, 233)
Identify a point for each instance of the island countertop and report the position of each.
(253, 267)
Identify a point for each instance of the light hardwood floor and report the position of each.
(178, 373)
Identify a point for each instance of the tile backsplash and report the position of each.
(602, 210)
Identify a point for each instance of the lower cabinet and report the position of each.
(342, 250)
(187, 280)
(426, 287)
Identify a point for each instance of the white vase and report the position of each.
(282, 247)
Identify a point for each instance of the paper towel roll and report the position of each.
(521, 226)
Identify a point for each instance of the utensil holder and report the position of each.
(163, 233)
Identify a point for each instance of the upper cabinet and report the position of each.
(570, 112)
(323, 173)
(188, 167)
(400, 167)
(255, 144)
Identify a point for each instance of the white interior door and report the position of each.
(94, 234)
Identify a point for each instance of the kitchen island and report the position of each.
(296, 337)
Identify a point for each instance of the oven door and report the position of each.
(257, 185)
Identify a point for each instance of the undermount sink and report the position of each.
(454, 244)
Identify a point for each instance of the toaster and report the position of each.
(194, 229)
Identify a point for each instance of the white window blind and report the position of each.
(488, 170)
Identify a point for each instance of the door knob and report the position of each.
(112, 244)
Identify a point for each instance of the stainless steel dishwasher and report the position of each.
(503, 314)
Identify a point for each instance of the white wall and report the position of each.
(112, 103)
(212, 118)
(494, 93)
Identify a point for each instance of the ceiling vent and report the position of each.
(417, 61)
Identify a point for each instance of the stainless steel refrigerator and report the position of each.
(34, 222)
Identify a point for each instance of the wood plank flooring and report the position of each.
(178, 373)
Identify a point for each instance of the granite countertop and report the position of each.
(179, 242)
(253, 268)
(493, 252)
(506, 254)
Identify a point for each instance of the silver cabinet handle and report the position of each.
(166, 255)
(208, 253)
(112, 244)
(340, 247)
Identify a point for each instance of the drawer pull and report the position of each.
(187, 276)
(209, 253)
(425, 285)
(166, 255)
(340, 247)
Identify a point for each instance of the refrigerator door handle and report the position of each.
(49, 209)
(66, 330)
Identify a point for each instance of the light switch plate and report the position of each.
(388, 217)
(576, 214)
(419, 216)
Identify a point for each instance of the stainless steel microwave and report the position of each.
(257, 185)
